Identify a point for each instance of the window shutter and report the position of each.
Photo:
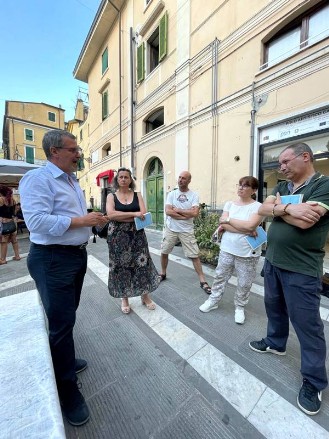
(81, 165)
(163, 32)
(105, 60)
(29, 154)
(140, 62)
(104, 105)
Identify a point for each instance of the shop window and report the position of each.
(156, 49)
(105, 105)
(307, 29)
(154, 121)
(105, 61)
(28, 134)
(51, 116)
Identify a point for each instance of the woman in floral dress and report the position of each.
(131, 269)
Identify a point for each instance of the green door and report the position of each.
(154, 192)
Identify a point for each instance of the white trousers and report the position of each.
(245, 269)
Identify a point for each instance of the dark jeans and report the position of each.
(296, 296)
(59, 274)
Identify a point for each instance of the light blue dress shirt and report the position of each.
(49, 200)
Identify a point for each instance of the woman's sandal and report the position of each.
(206, 288)
(162, 277)
(3, 262)
(125, 308)
(151, 306)
(17, 259)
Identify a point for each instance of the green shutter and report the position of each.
(104, 104)
(81, 165)
(141, 62)
(163, 32)
(28, 134)
(105, 60)
(29, 152)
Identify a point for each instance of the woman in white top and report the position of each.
(239, 219)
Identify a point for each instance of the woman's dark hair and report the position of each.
(115, 183)
(249, 181)
(7, 193)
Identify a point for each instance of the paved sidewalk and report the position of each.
(176, 372)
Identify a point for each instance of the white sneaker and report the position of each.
(208, 306)
(239, 316)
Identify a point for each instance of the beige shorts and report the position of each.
(189, 244)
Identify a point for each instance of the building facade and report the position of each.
(218, 88)
(24, 126)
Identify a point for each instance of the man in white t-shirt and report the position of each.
(182, 206)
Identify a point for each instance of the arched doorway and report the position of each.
(154, 192)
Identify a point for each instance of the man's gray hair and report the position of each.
(54, 138)
(299, 148)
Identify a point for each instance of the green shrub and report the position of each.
(204, 226)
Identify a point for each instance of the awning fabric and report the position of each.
(109, 174)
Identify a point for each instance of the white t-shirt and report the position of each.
(182, 200)
(235, 243)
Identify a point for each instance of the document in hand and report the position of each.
(258, 240)
(293, 199)
(147, 221)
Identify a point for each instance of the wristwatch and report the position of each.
(226, 220)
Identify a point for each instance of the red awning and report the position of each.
(106, 174)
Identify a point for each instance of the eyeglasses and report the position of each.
(242, 186)
(72, 150)
(285, 162)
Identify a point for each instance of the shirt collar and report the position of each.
(57, 172)
(313, 177)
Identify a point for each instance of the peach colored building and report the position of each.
(24, 126)
(218, 88)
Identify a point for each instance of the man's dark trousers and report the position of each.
(59, 274)
(296, 296)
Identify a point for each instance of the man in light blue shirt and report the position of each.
(55, 213)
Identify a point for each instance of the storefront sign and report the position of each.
(305, 124)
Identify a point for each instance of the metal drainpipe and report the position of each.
(252, 129)
(132, 160)
(120, 85)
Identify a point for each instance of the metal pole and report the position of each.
(120, 85)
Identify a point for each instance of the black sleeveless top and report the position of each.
(132, 207)
(7, 211)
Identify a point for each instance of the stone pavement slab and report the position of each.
(149, 376)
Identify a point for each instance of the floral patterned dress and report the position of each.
(131, 269)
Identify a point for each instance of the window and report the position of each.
(51, 116)
(153, 50)
(107, 150)
(307, 29)
(318, 25)
(105, 61)
(105, 111)
(81, 135)
(154, 121)
(156, 49)
(28, 135)
(29, 154)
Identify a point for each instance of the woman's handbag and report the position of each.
(216, 237)
(8, 228)
(100, 231)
